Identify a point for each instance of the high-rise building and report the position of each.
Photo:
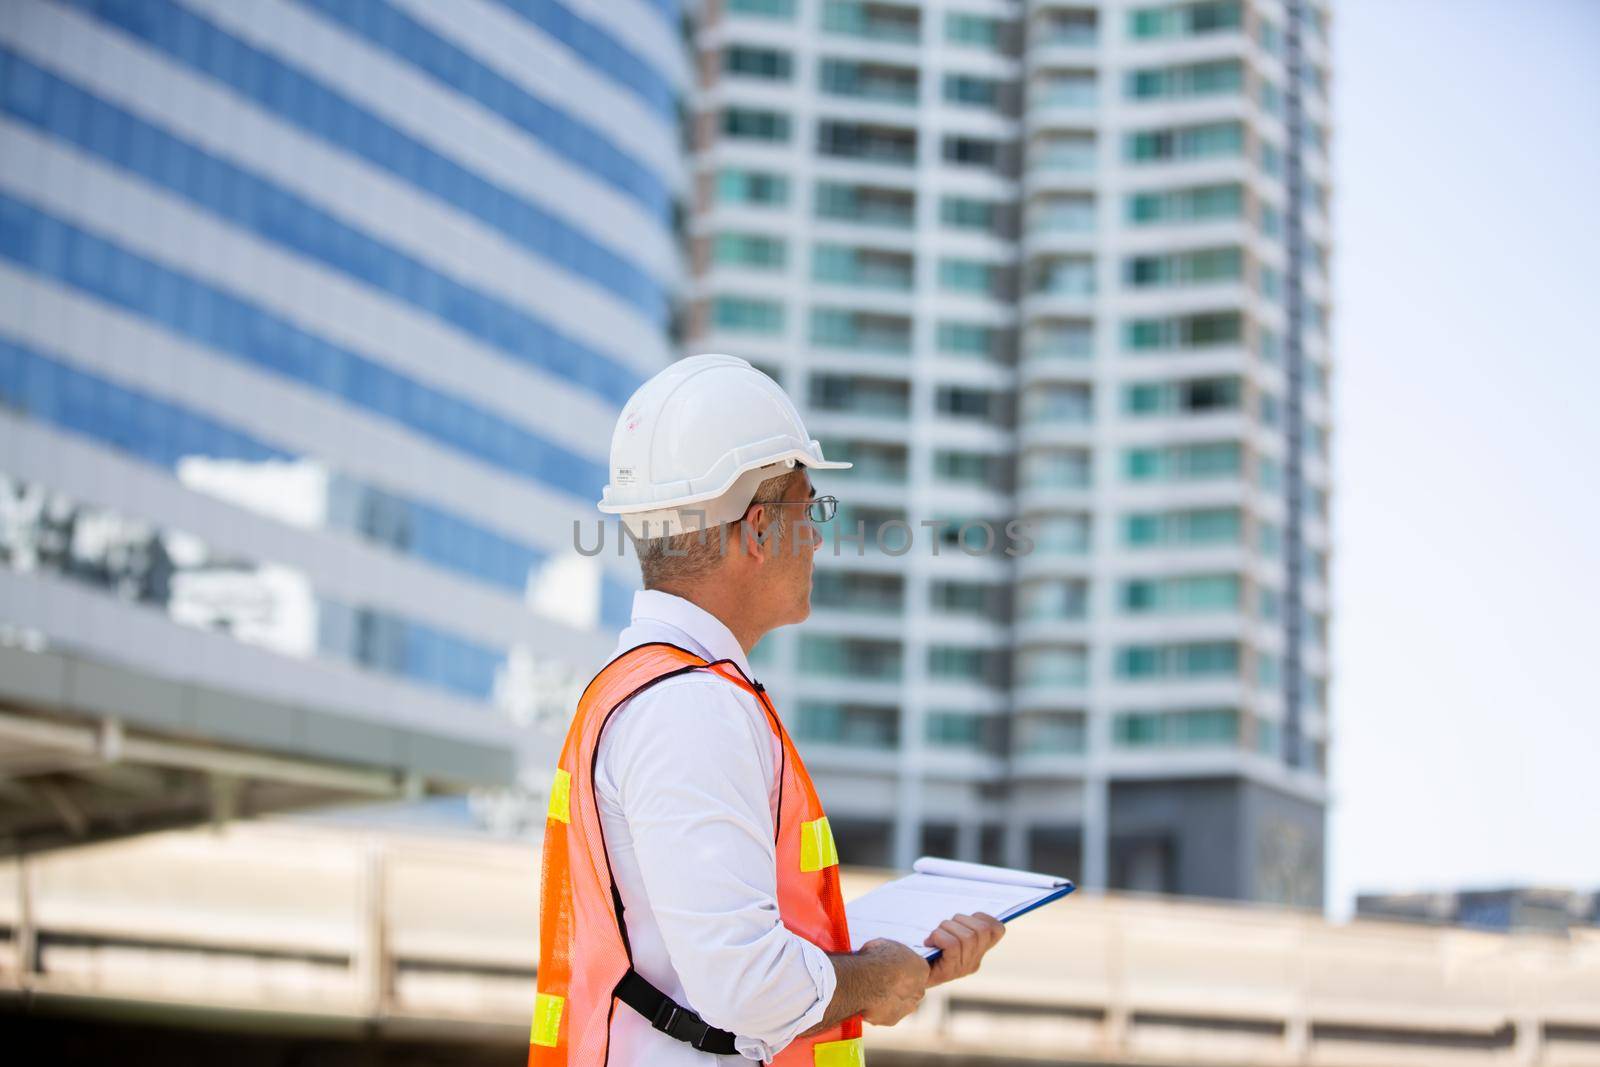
(315, 316)
(1064, 262)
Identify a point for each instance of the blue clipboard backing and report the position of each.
(1055, 894)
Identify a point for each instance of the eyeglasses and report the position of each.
(819, 509)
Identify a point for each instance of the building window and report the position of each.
(770, 64)
(1185, 20)
(1184, 527)
(862, 331)
(964, 402)
(1202, 203)
(1062, 214)
(971, 90)
(863, 267)
(1061, 340)
(955, 729)
(1054, 601)
(868, 205)
(1079, 28)
(1060, 535)
(968, 276)
(1068, 153)
(1180, 594)
(1190, 659)
(1189, 80)
(1184, 728)
(874, 21)
(1065, 667)
(1058, 404)
(1183, 463)
(752, 187)
(868, 81)
(972, 468)
(1205, 329)
(1056, 469)
(1194, 396)
(749, 250)
(747, 315)
(754, 124)
(1064, 276)
(966, 213)
(961, 663)
(1209, 141)
(772, 9)
(972, 151)
(1050, 733)
(1201, 266)
(851, 725)
(968, 339)
(869, 144)
(968, 598)
(1072, 89)
(976, 30)
(850, 657)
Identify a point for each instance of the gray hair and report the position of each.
(688, 557)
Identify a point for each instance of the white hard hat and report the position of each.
(695, 441)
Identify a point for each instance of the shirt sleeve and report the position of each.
(694, 780)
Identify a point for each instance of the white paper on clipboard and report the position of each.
(909, 909)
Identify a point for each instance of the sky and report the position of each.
(1466, 631)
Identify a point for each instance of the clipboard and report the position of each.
(910, 908)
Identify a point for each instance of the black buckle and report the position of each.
(671, 1010)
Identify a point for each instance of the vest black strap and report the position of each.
(670, 1017)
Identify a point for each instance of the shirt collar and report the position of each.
(706, 632)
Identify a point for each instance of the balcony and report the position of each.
(1072, 91)
(861, 331)
(1061, 215)
(866, 205)
(873, 82)
(863, 726)
(858, 593)
(875, 464)
(867, 143)
(1072, 28)
(1072, 341)
(844, 657)
(1053, 668)
(892, 23)
(1055, 405)
(859, 268)
(1050, 157)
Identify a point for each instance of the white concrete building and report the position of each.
(314, 320)
(1062, 262)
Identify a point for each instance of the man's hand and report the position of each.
(902, 976)
(963, 939)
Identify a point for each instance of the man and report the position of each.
(690, 903)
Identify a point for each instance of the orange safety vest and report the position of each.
(583, 951)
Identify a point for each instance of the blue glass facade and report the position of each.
(165, 434)
(232, 326)
(304, 102)
(64, 111)
(602, 51)
(54, 374)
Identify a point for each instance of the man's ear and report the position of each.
(756, 532)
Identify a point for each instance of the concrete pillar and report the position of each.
(967, 833)
(1096, 832)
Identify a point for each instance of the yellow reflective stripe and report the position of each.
(846, 1053)
(561, 797)
(546, 1019)
(816, 845)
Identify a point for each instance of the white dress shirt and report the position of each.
(686, 777)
